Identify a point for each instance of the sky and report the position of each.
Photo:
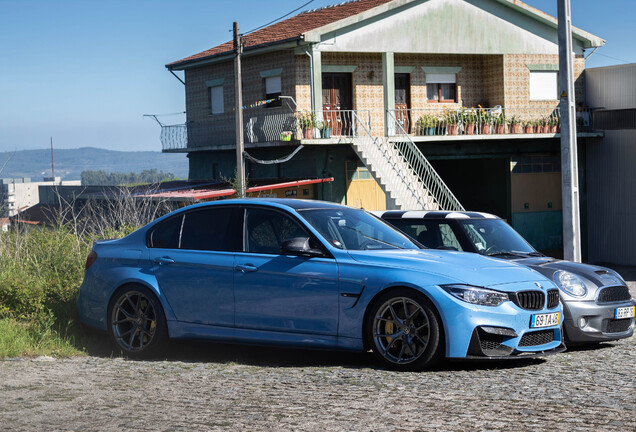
(84, 72)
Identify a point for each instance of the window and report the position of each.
(535, 164)
(273, 91)
(167, 234)
(209, 229)
(543, 85)
(267, 230)
(216, 100)
(430, 233)
(357, 171)
(441, 88)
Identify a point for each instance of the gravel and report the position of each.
(203, 386)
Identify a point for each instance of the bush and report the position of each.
(41, 270)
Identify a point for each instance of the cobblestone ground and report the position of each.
(219, 387)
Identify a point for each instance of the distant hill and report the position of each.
(69, 163)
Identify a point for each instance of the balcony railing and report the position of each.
(332, 123)
(481, 121)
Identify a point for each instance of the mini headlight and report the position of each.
(476, 295)
(570, 283)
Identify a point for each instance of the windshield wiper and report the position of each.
(507, 253)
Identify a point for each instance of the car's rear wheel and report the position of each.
(403, 330)
(136, 322)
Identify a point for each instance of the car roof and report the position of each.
(293, 203)
(424, 214)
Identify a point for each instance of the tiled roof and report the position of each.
(291, 28)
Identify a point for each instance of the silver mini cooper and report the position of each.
(596, 301)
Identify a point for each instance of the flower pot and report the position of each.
(553, 129)
(485, 129)
(430, 131)
(308, 133)
(284, 137)
(470, 129)
(326, 133)
(528, 129)
(515, 129)
(500, 129)
(452, 129)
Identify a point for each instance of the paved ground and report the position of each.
(220, 387)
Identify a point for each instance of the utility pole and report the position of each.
(569, 161)
(240, 164)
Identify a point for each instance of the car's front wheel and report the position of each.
(136, 322)
(403, 330)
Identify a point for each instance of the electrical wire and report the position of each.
(277, 19)
(275, 161)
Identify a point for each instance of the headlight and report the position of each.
(476, 295)
(570, 283)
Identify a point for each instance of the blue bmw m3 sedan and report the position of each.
(315, 275)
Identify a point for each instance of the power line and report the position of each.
(614, 58)
(277, 19)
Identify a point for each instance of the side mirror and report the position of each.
(299, 246)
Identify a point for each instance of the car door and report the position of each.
(282, 293)
(193, 257)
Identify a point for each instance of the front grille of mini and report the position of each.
(537, 338)
(614, 294)
(618, 325)
(553, 298)
(530, 300)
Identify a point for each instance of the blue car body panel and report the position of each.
(318, 302)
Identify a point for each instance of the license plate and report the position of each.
(625, 312)
(545, 320)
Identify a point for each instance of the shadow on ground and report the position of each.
(97, 344)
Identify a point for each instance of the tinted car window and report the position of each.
(209, 229)
(166, 234)
(267, 230)
(494, 235)
(430, 233)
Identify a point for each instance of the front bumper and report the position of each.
(504, 331)
(588, 321)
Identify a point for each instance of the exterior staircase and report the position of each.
(403, 172)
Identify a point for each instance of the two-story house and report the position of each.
(418, 104)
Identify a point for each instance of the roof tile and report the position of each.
(292, 27)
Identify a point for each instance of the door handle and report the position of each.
(164, 260)
(246, 268)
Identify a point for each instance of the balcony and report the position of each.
(434, 124)
(263, 128)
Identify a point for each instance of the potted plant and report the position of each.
(528, 126)
(555, 124)
(499, 123)
(469, 119)
(514, 123)
(306, 120)
(326, 129)
(285, 136)
(485, 120)
(427, 124)
(452, 122)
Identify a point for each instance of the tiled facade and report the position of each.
(207, 130)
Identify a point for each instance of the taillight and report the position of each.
(90, 259)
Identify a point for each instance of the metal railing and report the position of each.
(174, 137)
(332, 123)
(422, 168)
(481, 121)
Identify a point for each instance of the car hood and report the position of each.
(456, 267)
(600, 276)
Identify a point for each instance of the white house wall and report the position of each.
(447, 27)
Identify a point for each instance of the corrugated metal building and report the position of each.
(611, 165)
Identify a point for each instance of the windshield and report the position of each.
(495, 237)
(352, 229)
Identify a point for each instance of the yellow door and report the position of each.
(362, 189)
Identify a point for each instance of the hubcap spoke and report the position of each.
(133, 321)
(411, 323)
